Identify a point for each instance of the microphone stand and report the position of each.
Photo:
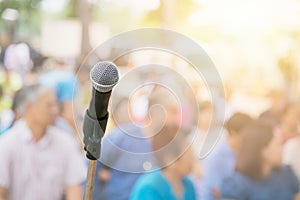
(93, 132)
(90, 180)
(96, 116)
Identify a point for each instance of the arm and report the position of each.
(297, 196)
(5, 167)
(3, 193)
(73, 193)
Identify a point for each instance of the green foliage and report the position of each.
(29, 16)
(181, 11)
(288, 67)
(118, 18)
(70, 10)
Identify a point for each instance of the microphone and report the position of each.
(104, 76)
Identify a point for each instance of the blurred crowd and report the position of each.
(254, 158)
(40, 147)
(152, 149)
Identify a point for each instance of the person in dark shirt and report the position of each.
(259, 172)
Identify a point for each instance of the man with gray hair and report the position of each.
(37, 160)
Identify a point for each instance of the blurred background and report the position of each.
(254, 44)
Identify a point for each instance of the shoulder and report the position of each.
(151, 177)
(60, 138)
(153, 180)
(288, 172)
(10, 138)
(7, 141)
(286, 169)
(148, 186)
(285, 172)
(59, 133)
(235, 187)
(286, 176)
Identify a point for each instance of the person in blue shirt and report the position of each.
(259, 173)
(125, 155)
(123, 160)
(175, 161)
(220, 162)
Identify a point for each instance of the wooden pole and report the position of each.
(88, 194)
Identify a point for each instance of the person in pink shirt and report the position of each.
(37, 160)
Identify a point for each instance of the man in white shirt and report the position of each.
(37, 160)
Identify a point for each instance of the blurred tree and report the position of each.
(81, 10)
(27, 9)
(171, 13)
(84, 15)
(288, 67)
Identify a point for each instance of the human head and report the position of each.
(259, 151)
(171, 150)
(236, 123)
(39, 105)
(64, 83)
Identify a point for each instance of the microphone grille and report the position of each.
(104, 76)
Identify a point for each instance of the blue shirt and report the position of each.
(280, 184)
(124, 152)
(154, 186)
(218, 165)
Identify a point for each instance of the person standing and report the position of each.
(260, 174)
(221, 161)
(175, 161)
(37, 160)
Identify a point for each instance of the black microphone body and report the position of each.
(98, 106)
(104, 76)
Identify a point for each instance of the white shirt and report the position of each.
(38, 170)
(291, 154)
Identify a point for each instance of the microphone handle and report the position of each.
(98, 107)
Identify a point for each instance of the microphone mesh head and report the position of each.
(104, 76)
